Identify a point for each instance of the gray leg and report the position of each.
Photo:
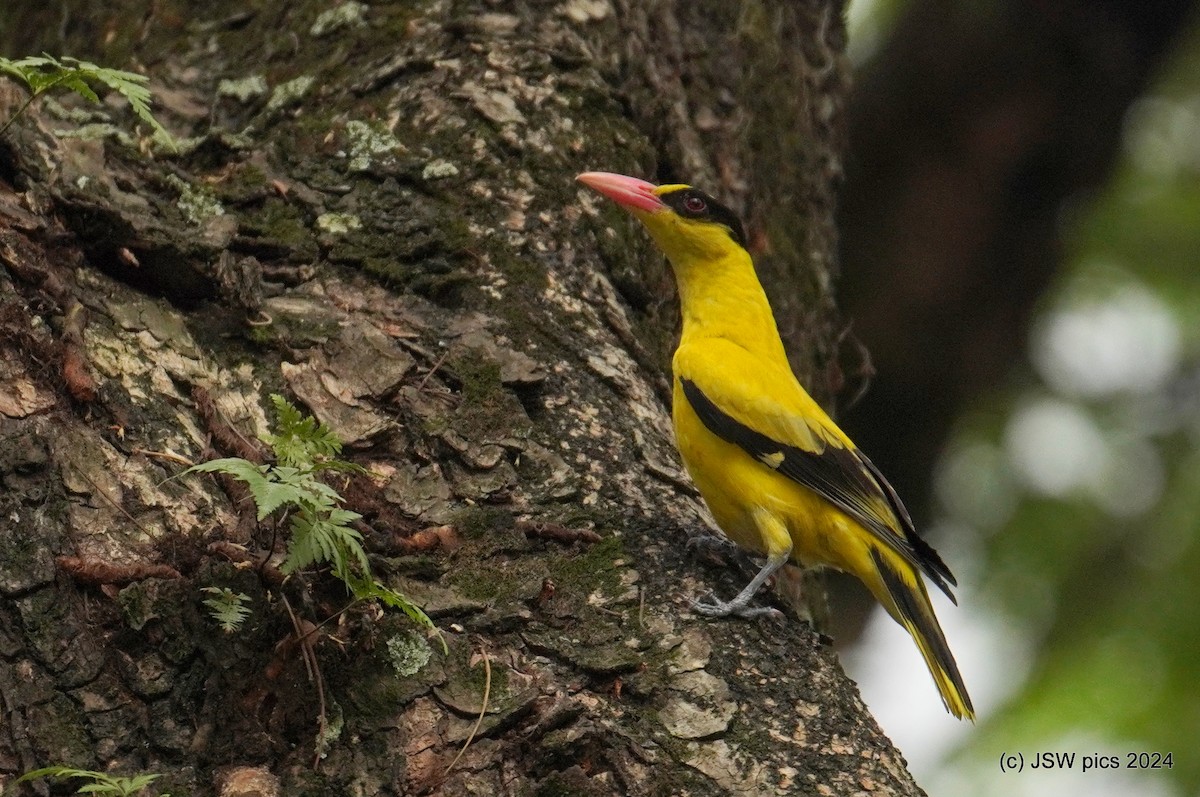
(740, 606)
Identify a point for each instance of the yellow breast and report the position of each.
(735, 486)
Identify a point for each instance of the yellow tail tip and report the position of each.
(954, 696)
(961, 711)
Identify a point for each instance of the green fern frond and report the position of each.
(228, 607)
(98, 782)
(301, 440)
(321, 530)
(254, 476)
(268, 487)
(327, 538)
(370, 589)
(45, 72)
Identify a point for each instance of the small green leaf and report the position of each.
(371, 589)
(300, 439)
(237, 467)
(228, 607)
(344, 517)
(76, 84)
(276, 494)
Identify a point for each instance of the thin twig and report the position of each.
(866, 367)
(487, 691)
(322, 721)
(300, 635)
(13, 118)
(433, 370)
(233, 428)
(309, 655)
(167, 455)
(100, 492)
(340, 612)
(270, 550)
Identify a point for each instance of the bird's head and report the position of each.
(685, 222)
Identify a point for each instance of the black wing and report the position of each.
(842, 476)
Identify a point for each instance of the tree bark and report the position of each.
(373, 212)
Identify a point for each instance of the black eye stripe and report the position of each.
(683, 201)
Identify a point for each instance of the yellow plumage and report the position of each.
(777, 473)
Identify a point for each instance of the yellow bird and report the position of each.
(779, 476)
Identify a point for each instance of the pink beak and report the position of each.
(628, 192)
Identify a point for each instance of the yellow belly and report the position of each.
(736, 487)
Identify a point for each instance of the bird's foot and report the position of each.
(712, 606)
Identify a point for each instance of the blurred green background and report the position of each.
(1066, 489)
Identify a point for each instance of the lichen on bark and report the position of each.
(403, 249)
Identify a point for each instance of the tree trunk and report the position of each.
(376, 216)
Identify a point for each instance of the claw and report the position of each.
(740, 606)
(710, 606)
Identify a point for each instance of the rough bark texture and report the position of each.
(383, 226)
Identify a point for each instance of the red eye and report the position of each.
(695, 204)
